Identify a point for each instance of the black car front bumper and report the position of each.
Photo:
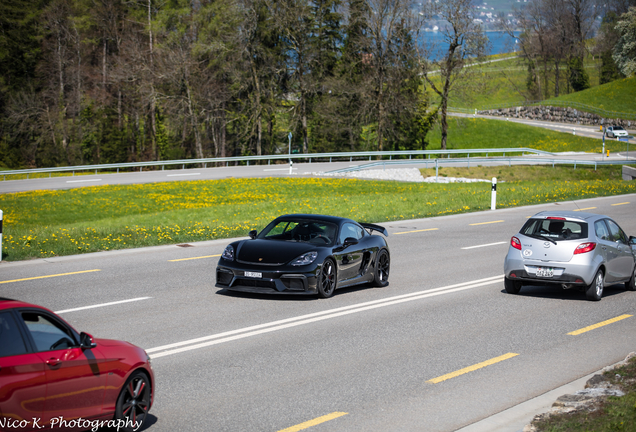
(271, 282)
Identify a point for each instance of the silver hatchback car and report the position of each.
(575, 250)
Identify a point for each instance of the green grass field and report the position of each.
(89, 219)
(474, 133)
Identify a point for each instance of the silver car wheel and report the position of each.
(595, 290)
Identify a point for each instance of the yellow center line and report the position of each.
(601, 324)
(583, 209)
(186, 259)
(472, 368)
(314, 422)
(485, 223)
(49, 276)
(621, 203)
(422, 230)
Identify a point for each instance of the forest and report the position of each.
(110, 81)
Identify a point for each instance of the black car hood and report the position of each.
(272, 252)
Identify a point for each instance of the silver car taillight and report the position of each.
(515, 243)
(584, 248)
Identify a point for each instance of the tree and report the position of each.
(625, 49)
(606, 38)
(342, 110)
(578, 78)
(294, 21)
(465, 43)
(391, 56)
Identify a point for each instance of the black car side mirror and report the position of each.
(349, 241)
(86, 341)
(252, 234)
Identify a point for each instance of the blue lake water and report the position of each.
(499, 42)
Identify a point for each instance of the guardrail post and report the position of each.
(493, 194)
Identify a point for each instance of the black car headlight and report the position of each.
(228, 253)
(304, 259)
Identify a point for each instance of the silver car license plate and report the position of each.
(545, 272)
(253, 274)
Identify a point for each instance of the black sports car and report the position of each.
(306, 254)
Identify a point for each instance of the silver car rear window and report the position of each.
(555, 229)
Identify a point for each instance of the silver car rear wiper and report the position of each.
(539, 236)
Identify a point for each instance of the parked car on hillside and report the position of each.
(53, 377)
(575, 250)
(615, 132)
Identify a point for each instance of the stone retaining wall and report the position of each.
(629, 173)
(557, 114)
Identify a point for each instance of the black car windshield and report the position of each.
(555, 229)
(301, 230)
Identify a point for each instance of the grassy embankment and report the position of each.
(100, 218)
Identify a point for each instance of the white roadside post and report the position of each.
(493, 195)
(0, 235)
(603, 130)
(290, 161)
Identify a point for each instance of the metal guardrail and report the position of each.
(269, 158)
(481, 161)
(558, 103)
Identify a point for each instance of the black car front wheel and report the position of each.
(382, 267)
(327, 279)
(133, 402)
(595, 290)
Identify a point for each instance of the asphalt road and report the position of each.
(257, 171)
(443, 346)
(298, 169)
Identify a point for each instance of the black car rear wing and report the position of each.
(377, 228)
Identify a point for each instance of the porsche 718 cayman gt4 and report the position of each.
(306, 254)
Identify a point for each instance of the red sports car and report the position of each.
(52, 377)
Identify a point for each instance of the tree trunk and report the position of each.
(193, 120)
(153, 107)
(258, 114)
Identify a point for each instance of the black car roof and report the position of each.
(326, 218)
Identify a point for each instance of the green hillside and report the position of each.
(616, 96)
(502, 84)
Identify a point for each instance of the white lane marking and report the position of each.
(279, 169)
(484, 245)
(232, 335)
(102, 305)
(183, 175)
(83, 181)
